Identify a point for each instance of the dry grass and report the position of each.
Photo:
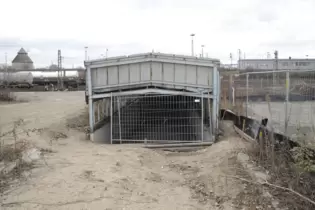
(292, 171)
(11, 157)
(285, 173)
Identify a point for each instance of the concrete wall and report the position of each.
(102, 135)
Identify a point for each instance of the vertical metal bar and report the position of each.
(287, 87)
(111, 118)
(91, 111)
(98, 112)
(119, 123)
(247, 86)
(209, 110)
(230, 89)
(202, 114)
(215, 98)
(218, 97)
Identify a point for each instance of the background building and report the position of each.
(22, 61)
(277, 64)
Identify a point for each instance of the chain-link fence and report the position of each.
(157, 119)
(286, 98)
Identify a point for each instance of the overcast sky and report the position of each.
(136, 26)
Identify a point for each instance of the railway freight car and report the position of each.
(16, 79)
(70, 79)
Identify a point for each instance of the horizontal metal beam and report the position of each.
(152, 82)
(178, 145)
(149, 91)
(100, 64)
(147, 57)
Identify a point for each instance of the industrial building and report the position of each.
(276, 64)
(153, 98)
(22, 61)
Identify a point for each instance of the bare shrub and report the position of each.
(7, 96)
(11, 155)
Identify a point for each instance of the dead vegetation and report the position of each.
(13, 158)
(7, 96)
(291, 170)
(80, 122)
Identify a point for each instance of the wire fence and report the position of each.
(157, 119)
(286, 98)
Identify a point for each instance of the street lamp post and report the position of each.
(86, 55)
(202, 46)
(192, 44)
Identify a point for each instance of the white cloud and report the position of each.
(133, 26)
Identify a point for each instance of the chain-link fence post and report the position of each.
(90, 95)
(119, 118)
(98, 112)
(202, 113)
(287, 92)
(247, 75)
(111, 118)
(230, 90)
(215, 100)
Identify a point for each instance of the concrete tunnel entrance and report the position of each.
(159, 119)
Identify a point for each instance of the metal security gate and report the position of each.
(157, 118)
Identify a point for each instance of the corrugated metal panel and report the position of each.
(157, 71)
(191, 74)
(112, 75)
(145, 71)
(168, 72)
(99, 77)
(180, 73)
(123, 74)
(202, 75)
(135, 70)
(210, 77)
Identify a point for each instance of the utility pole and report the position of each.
(192, 44)
(276, 60)
(231, 58)
(6, 68)
(239, 58)
(275, 69)
(60, 76)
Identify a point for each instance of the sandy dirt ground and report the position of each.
(79, 174)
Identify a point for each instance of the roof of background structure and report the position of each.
(146, 57)
(280, 59)
(22, 57)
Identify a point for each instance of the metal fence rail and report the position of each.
(287, 98)
(157, 119)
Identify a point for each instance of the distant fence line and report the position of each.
(287, 98)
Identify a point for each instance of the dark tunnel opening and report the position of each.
(157, 118)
